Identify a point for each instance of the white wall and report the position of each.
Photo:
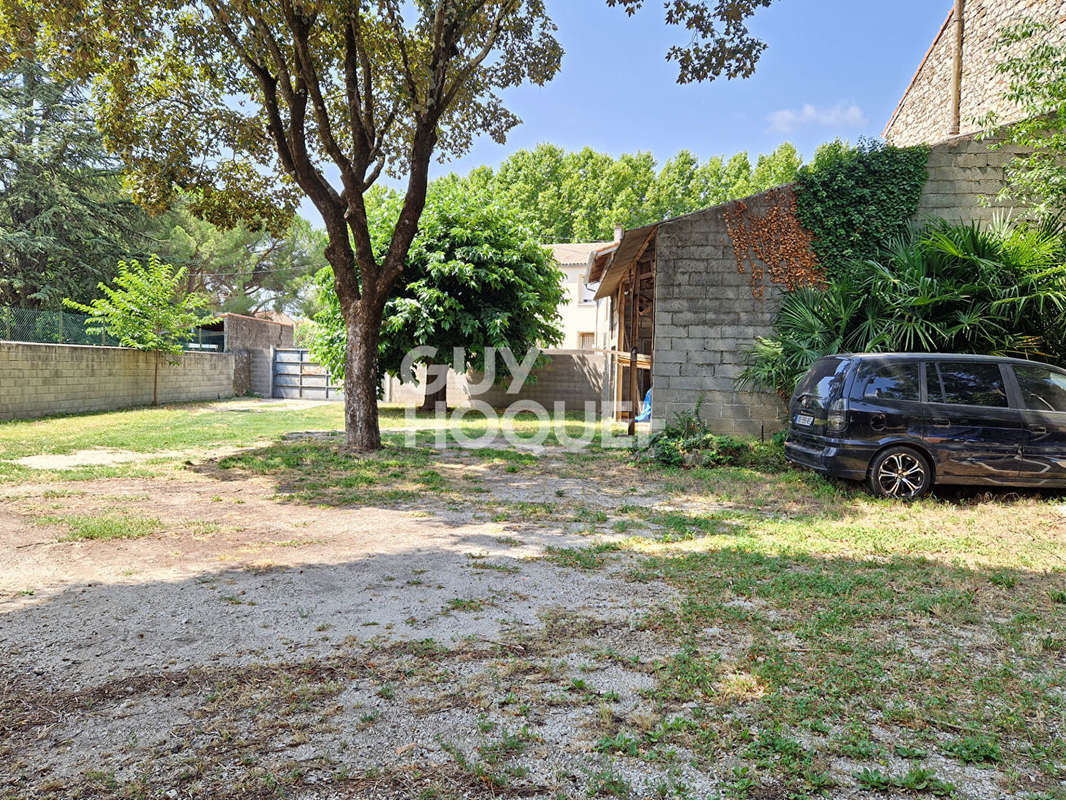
(578, 317)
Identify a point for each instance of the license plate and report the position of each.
(806, 420)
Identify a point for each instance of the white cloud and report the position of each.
(788, 119)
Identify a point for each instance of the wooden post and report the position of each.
(634, 331)
(620, 314)
(956, 73)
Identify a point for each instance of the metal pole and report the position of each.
(956, 73)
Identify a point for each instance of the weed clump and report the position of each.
(688, 441)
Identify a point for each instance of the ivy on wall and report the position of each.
(855, 200)
(773, 245)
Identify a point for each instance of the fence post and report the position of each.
(62, 338)
(273, 367)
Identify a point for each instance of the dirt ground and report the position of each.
(257, 639)
(126, 641)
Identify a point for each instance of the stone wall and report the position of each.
(573, 377)
(965, 175)
(924, 113)
(38, 380)
(256, 338)
(706, 318)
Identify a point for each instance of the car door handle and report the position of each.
(940, 422)
(1038, 430)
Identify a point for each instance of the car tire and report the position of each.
(901, 473)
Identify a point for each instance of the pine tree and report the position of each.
(64, 224)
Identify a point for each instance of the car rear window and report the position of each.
(881, 381)
(1042, 389)
(966, 384)
(824, 379)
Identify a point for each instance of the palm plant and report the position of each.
(998, 290)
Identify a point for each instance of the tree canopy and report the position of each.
(475, 278)
(580, 196)
(66, 220)
(241, 269)
(64, 223)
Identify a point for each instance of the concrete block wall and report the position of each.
(38, 380)
(256, 337)
(573, 377)
(965, 175)
(706, 318)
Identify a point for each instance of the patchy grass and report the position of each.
(460, 604)
(812, 638)
(102, 526)
(177, 427)
(592, 557)
(323, 473)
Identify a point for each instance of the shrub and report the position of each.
(947, 288)
(687, 441)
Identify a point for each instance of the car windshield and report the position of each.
(824, 380)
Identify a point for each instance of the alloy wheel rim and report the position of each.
(901, 475)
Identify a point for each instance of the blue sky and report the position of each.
(833, 68)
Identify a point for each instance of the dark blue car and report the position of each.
(904, 422)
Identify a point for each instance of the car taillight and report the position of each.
(837, 416)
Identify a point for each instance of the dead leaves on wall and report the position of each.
(773, 245)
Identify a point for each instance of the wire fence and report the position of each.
(65, 327)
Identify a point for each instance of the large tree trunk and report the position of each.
(361, 380)
(438, 398)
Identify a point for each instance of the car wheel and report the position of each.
(901, 473)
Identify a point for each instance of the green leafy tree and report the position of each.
(581, 196)
(249, 105)
(722, 43)
(64, 223)
(682, 186)
(146, 309)
(1035, 70)
(475, 278)
(776, 168)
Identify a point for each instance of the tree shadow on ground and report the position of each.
(360, 674)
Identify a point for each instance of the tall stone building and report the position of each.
(956, 83)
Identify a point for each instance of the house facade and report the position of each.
(578, 311)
